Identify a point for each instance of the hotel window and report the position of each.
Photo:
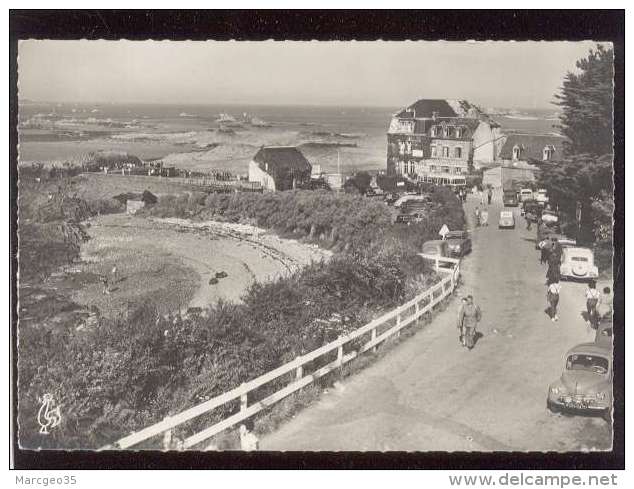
(457, 152)
(516, 152)
(459, 132)
(445, 169)
(434, 131)
(432, 168)
(445, 152)
(548, 153)
(408, 146)
(450, 132)
(433, 152)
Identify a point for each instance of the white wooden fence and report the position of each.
(401, 316)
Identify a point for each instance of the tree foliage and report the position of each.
(585, 176)
(587, 100)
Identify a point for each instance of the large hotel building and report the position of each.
(437, 140)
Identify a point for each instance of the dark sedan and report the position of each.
(458, 243)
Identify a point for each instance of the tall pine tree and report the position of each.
(585, 176)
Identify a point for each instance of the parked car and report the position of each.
(603, 335)
(578, 263)
(509, 198)
(585, 384)
(531, 207)
(541, 196)
(436, 247)
(507, 220)
(410, 218)
(526, 194)
(458, 243)
(549, 216)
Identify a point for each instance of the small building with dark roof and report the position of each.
(532, 148)
(279, 168)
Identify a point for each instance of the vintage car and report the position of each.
(550, 216)
(509, 198)
(436, 247)
(532, 208)
(507, 220)
(410, 218)
(458, 243)
(585, 384)
(603, 336)
(578, 263)
(526, 194)
(541, 196)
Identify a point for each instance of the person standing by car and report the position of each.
(481, 192)
(468, 318)
(605, 304)
(593, 296)
(556, 250)
(553, 274)
(544, 247)
(552, 295)
(489, 195)
(477, 216)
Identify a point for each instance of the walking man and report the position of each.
(461, 337)
(468, 318)
(489, 195)
(477, 216)
(552, 295)
(484, 217)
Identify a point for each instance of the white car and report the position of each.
(507, 220)
(526, 194)
(578, 263)
(541, 197)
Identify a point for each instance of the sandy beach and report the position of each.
(195, 250)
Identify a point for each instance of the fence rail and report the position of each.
(403, 316)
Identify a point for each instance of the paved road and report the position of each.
(430, 394)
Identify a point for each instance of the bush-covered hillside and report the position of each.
(133, 371)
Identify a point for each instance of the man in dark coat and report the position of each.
(468, 319)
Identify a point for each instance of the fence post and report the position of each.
(244, 399)
(437, 264)
(398, 323)
(374, 348)
(299, 372)
(340, 353)
(167, 437)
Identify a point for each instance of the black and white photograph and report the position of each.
(316, 246)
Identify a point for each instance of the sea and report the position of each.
(224, 136)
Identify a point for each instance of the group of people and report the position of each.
(551, 252)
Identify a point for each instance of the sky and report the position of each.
(492, 74)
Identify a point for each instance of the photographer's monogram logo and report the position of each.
(48, 416)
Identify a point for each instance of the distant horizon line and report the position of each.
(261, 104)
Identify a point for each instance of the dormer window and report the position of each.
(459, 132)
(548, 153)
(450, 132)
(434, 131)
(517, 151)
